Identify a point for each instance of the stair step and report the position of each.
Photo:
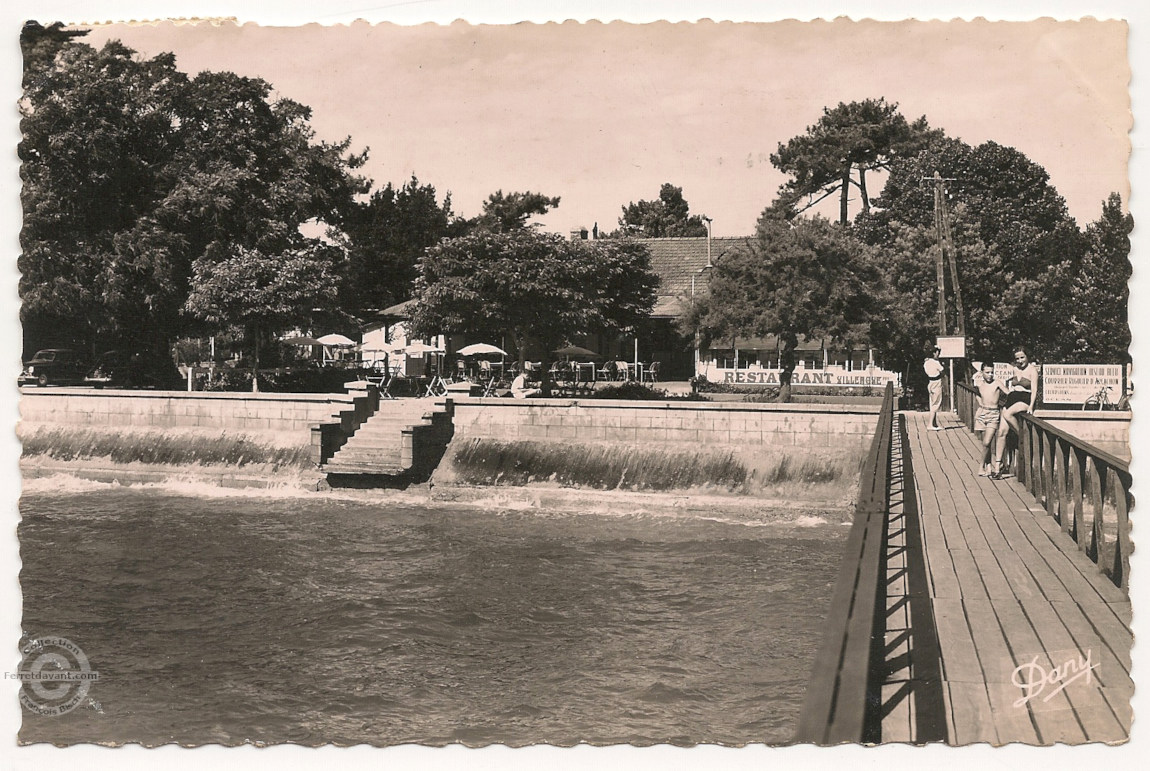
(367, 453)
(362, 468)
(374, 443)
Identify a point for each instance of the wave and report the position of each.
(550, 504)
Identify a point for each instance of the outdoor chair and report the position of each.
(651, 372)
(621, 370)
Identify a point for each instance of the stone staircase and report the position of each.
(395, 440)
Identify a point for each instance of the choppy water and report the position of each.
(326, 619)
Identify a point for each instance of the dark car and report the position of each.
(119, 369)
(53, 366)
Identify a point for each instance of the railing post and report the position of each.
(1035, 468)
(1121, 563)
(1049, 498)
(1076, 461)
(1090, 545)
(1062, 499)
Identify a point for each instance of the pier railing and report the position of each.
(842, 698)
(1085, 489)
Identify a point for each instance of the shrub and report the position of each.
(631, 390)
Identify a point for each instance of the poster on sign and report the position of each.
(1002, 370)
(1075, 383)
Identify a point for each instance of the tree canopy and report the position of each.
(506, 212)
(541, 290)
(808, 278)
(262, 292)
(386, 236)
(133, 172)
(838, 151)
(1100, 319)
(667, 216)
(1017, 246)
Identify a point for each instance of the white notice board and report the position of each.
(952, 347)
(1075, 383)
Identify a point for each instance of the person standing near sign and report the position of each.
(1020, 398)
(934, 369)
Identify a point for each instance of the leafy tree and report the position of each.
(504, 213)
(667, 216)
(386, 236)
(263, 293)
(807, 278)
(540, 289)
(838, 151)
(132, 172)
(1101, 295)
(95, 127)
(1017, 245)
(39, 45)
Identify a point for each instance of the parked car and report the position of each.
(53, 366)
(120, 369)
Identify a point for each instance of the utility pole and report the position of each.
(946, 258)
(946, 254)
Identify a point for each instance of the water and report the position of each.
(318, 619)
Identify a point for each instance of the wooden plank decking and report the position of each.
(1006, 589)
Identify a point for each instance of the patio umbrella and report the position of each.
(382, 348)
(419, 347)
(476, 349)
(301, 341)
(575, 350)
(335, 340)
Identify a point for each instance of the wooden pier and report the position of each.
(999, 617)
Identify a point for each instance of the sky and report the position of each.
(604, 114)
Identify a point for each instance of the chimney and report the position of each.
(579, 234)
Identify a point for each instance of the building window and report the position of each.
(723, 357)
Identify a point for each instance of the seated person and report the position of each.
(521, 390)
(1022, 392)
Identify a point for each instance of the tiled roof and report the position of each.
(676, 260)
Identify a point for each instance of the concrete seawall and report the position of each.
(836, 426)
(746, 448)
(285, 415)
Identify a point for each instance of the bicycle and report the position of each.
(1100, 399)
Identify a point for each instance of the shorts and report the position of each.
(1017, 397)
(934, 389)
(987, 417)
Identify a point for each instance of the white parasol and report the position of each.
(476, 349)
(419, 348)
(337, 341)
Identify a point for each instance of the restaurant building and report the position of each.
(684, 267)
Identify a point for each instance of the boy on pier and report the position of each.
(986, 420)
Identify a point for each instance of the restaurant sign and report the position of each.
(1075, 383)
(876, 377)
